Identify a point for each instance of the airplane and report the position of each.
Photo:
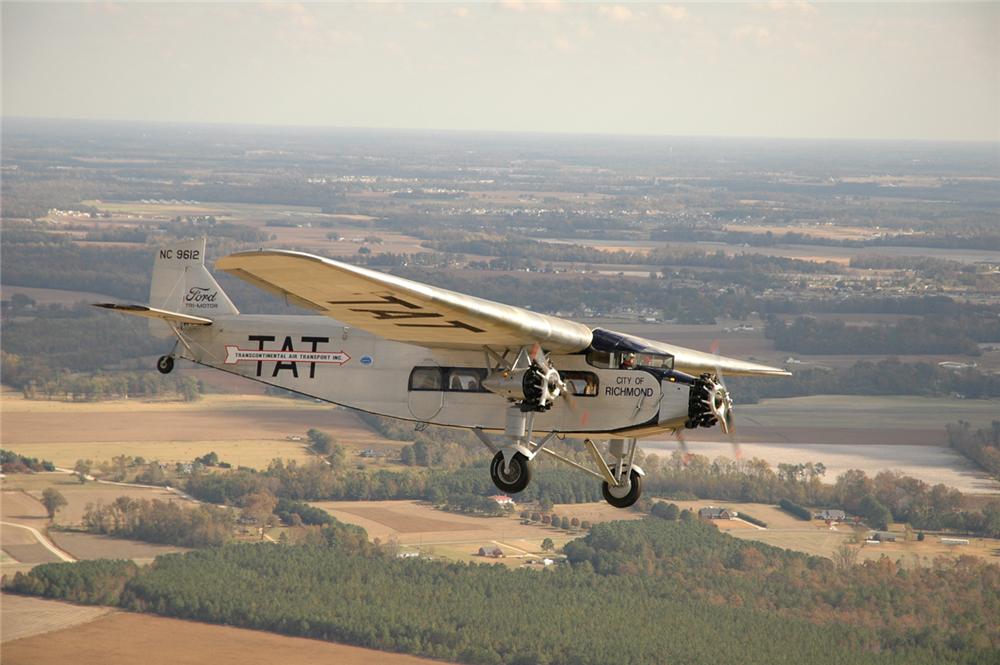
(399, 348)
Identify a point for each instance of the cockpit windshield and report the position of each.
(611, 350)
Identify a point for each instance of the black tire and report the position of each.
(633, 494)
(165, 365)
(516, 478)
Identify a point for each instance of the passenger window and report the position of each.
(583, 384)
(466, 380)
(425, 378)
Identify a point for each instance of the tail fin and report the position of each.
(182, 283)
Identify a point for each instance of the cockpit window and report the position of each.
(611, 350)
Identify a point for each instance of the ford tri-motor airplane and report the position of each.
(403, 349)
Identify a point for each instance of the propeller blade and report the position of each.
(726, 413)
(574, 407)
(536, 347)
(682, 444)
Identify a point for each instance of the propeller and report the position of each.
(574, 407)
(722, 404)
(682, 443)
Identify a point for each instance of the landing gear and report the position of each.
(513, 476)
(511, 466)
(165, 365)
(626, 493)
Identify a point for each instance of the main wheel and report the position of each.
(165, 365)
(627, 494)
(515, 478)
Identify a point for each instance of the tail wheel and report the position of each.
(165, 365)
(627, 494)
(517, 475)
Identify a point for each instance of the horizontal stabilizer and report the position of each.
(154, 313)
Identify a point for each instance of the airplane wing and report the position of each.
(698, 362)
(685, 359)
(401, 309)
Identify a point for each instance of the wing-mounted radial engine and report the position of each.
(530, 381)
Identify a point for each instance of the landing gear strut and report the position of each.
(511, 466)
(165, 365)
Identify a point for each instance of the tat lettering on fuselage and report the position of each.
(286, 358)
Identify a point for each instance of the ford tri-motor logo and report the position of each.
(201, 296)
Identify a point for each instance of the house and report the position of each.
(503, 500)
(714, 513)
(491, 551)
(831, 515)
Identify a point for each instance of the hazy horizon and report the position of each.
(917, 71)
(263, 126)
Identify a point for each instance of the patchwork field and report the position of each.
(931, 464)
(305, 227)
(841, 255)
(77, 495)
(126, 639)
(24, 616)
(853, 432)
(94, 546)
(247, 430)
(418, 526)
(21, 506)
(815, 537)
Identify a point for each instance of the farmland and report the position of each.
(125, 639)
(20, 505)
(820, 539)
(247, 430)
(418, 526)
(23, 616)
(305, 226)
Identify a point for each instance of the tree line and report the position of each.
(929, 334)
(982, 446)
(865, 377)
(669, 586)
(512, 247)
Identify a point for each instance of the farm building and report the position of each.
(883, 537)
(491, 551)
(714, 513)
(503, 500)
(831, 515)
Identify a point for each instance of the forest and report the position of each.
(982, 445)
(889, 495)
(928, 334)
(675, 591)
(866, 377)
(526, 248)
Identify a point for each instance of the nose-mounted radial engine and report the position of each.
(710, 403)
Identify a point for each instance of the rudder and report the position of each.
(182, 283)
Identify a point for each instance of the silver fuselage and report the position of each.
(325, 359)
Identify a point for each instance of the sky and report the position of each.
(767, 69)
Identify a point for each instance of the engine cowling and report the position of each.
(535, 388)
(709, 403)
